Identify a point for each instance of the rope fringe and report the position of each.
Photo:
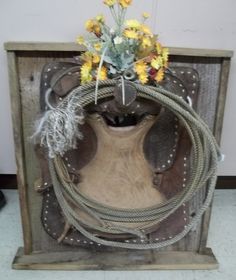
(58, 129)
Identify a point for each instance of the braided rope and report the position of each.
(205, 158)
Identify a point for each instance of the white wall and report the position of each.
(182, 23)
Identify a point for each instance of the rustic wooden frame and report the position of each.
(27, 259)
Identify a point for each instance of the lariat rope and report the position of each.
(204, 167)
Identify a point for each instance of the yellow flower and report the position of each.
(157, 62)
(146, 15)
(165, 64)
(160, 75)
(146, 42)
(100, 18)
(125, 3)
(140, 67)
(96, 59)
(143, 78)
(158, 48)
(146, 30)
(102, 75)
(85, 73)
(97, 46)
(87, 57)
(131, 34)
(109, 3)
(165, 54)
(80, 40)
(93, 25)
(89, 25)
(133, 23)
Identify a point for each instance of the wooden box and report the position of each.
(25, 62)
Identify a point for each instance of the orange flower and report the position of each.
(89, 25)
(102, 75)
(96, 59)
(93, 26)
(125, 3)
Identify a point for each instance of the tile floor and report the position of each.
(222, 239)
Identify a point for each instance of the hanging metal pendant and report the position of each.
(125, 93)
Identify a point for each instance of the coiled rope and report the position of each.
(205, 158)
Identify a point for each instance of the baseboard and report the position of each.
(8, 181)
(226, 182)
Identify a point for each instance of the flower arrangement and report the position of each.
(129, 49)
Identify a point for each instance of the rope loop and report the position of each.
(205, 155)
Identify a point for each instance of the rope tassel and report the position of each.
(58, 129)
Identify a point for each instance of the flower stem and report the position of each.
(113, 13)
(141, 59)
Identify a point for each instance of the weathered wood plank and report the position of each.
(29, 72)
(217, 130)
(221, 98)
(128, 260)
(48, 46)
(207, 104)
(209, 69)
(43, 46)
(200, 52)
(29, 76)
(16, 110)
